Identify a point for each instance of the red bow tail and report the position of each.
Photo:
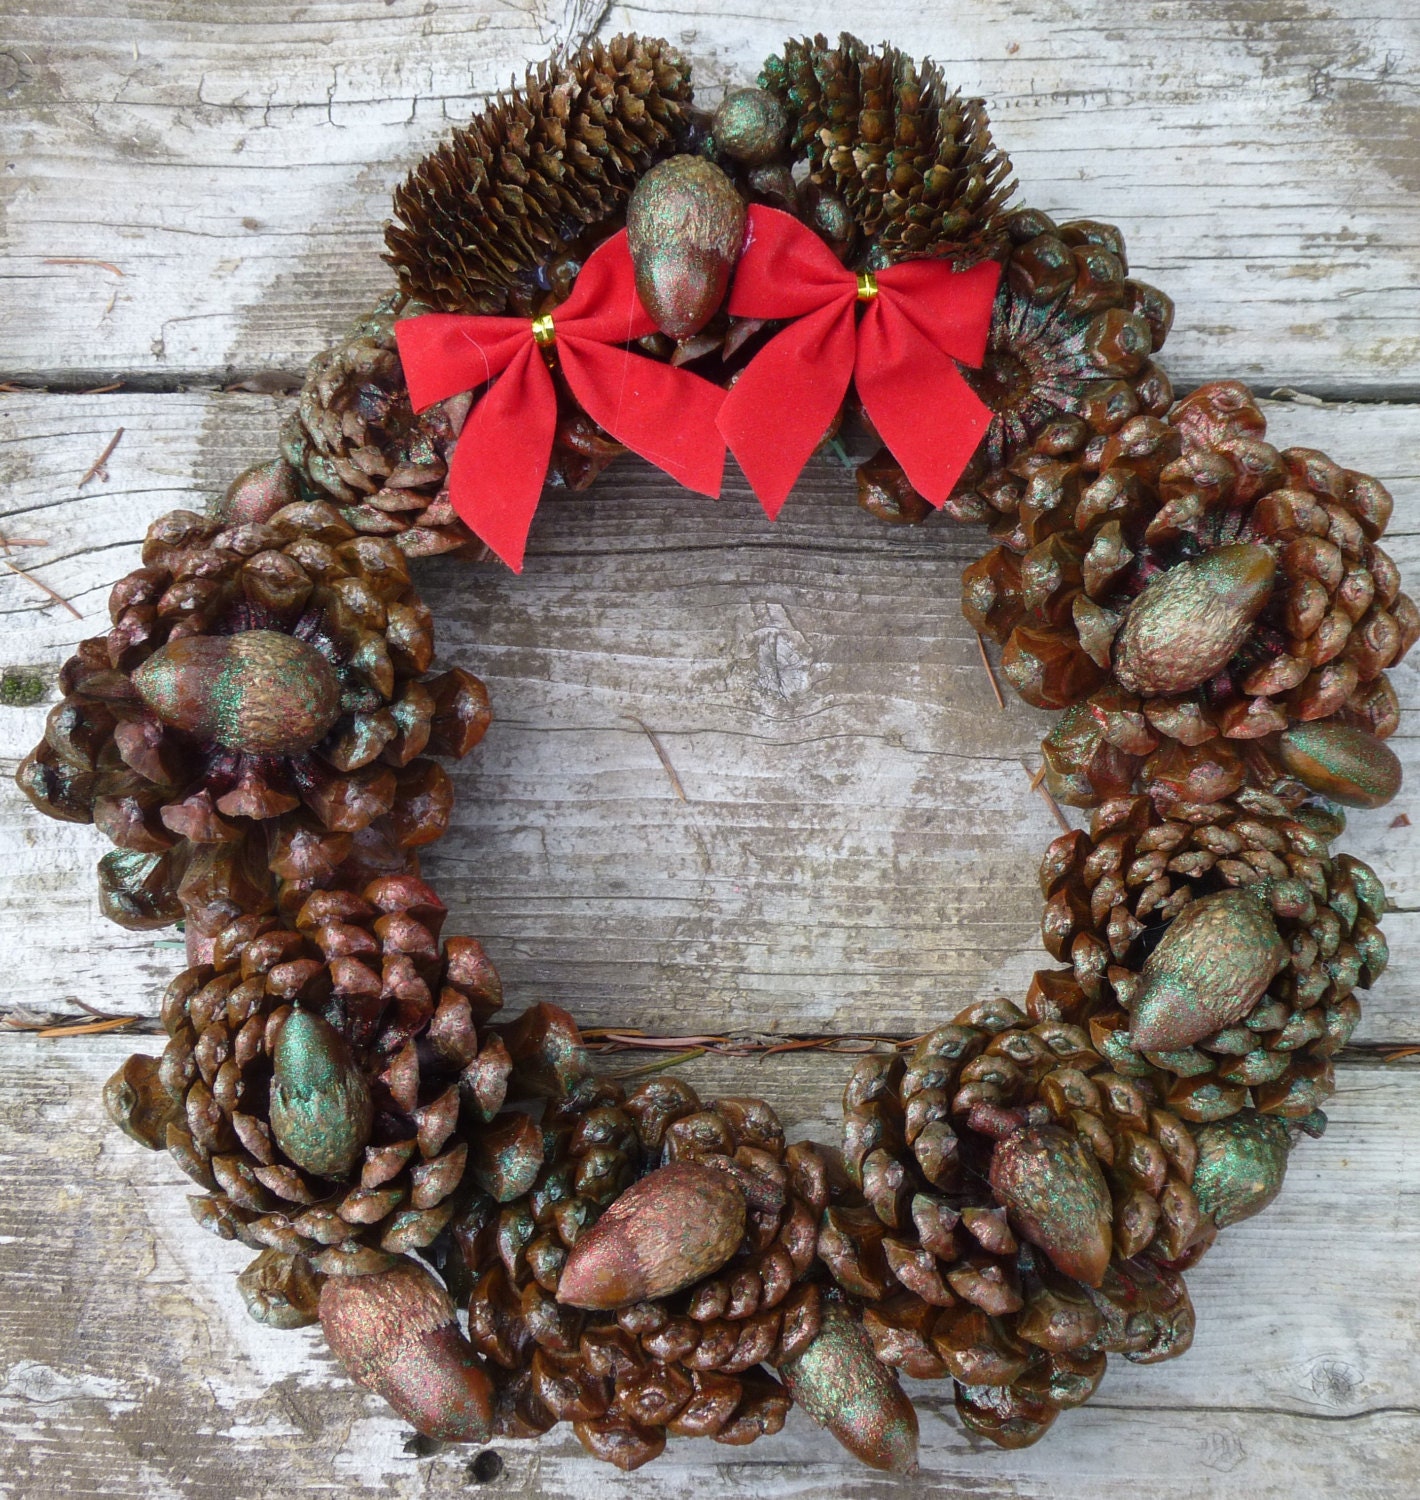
(500, 462)
(921, 321)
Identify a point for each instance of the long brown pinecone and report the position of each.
(478, 219)
(913, 162)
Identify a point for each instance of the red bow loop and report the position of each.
(921, 321)
(667, 415)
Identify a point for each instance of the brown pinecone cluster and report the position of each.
(479, 219)
(576, 1327)
(355, 441)
(1206, 586)
(1024, 1211)
(1141, 897)
(259, 703)
(327, 1085)
(912, 163)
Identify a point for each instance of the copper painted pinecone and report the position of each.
(262, 671)
(691, 1363)
(477, 220)
(355, 441)
(950, 1285)
(913, 162)
(386, 1039)
(1112, 894)
(1309, 609)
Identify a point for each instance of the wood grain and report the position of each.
(859, 846)
(235, 161)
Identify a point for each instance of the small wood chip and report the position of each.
(98, 469)
(1403, 821)
(43, 587)
(990, 671)
(82, 260)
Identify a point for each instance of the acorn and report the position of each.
(260, 691)
(750, 126)
(396, 1332)
(670, 1229)
(684, 226)
(1051, 1186)
(1188, 622)
(1210, 968)
(321, 1111)
(1341, 762)
(841, 1384)
(1241, 1163)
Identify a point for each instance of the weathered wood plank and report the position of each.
(130, 1368)
(859, 847)
(235, 161)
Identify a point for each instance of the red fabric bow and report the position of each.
(666, 415)
(920, 321)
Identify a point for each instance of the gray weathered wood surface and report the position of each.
(858, 845)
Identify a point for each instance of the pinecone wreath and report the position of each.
(493, 1236)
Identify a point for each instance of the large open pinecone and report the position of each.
(327, 1086)
(1263, 866)
(480, 217)
(1231, 588)
(269, 672)
(692, 1362)
(1025, 1211)
(913, 162)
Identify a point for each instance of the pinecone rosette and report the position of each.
(1112, 895)
(957, 1276)
(912, 163)
(327, 1086)
(1231, 589)
(691, 1363)
(261, 696)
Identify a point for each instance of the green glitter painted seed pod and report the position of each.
(1211, 967)
(261, 691)
(684, 226)
(665, 1232)
(321, 1112)
(750, 126)
(841, 1385)
(1241, 1164)
(1189, 621)
(1342, 762)
(397, 1333)
(1052, 1188)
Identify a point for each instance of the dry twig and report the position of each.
(82, 260)
(990, 671)
(661, 755)
(1037, 784)
(43, 587)
(98, 468)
